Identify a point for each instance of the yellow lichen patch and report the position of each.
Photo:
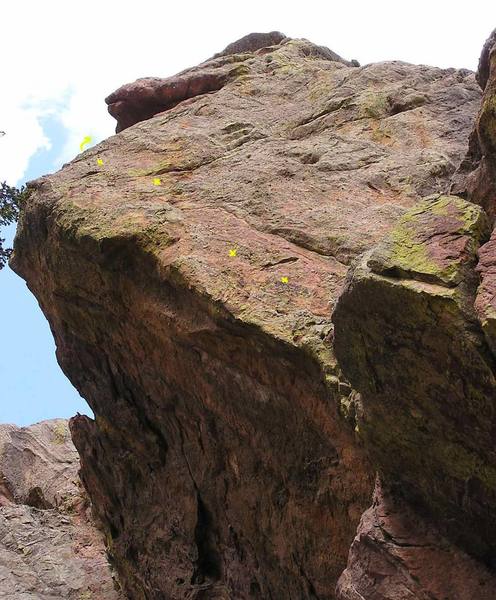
(320, 87)
(461, 463)
(433, 241)
(487, 122)
(59, 434)
(374, 104)
(380, 134)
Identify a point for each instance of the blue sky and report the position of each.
(32, 385)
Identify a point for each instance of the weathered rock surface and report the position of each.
(484, 70)
(252, 42)
(49, 546)
(190, 282)
(476, 179)
(398, 556)
(408, 339)
(149, 96)
(414, 333)
(484, 189)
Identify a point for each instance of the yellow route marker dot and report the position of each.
(99, 162)
(232, 252)
(86, 140)
(157, 181)
(284, 280)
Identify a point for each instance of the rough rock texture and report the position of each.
(49, 546)
(476, 179)
(190, 282)
(149, 96)
(415, 335)
(398, 556)
(485, 302)
(485, 179)
(252, 42)
(407, 338)
(484, 70)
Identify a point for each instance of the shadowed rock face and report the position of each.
(190, 283)
(398, 556)
(475, 179)
(252, 42)
(485, 61)
(415, 335)
(49, 546)
(407, 337)
(484, 189)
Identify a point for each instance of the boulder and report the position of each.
(408, 339)
(397, 555)
(50, 548)
(189, 284)
(252, 42)
(475, 178)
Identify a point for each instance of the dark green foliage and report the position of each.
(10, 203)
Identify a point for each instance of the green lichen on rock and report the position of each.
(487, 123)
(60, 433)
(434, 241)
(374, 105)
(414, 351)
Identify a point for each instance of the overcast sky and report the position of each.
(61, 58)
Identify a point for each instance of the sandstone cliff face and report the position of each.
(49, 548)
(414, 335)
(396, 555)
(190, 283)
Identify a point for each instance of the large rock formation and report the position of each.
(475, 179)
(190, 282)
(49, 547)
(414, 334)
(398, 556)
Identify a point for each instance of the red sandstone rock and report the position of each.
(407, 337)
(485, 303)
(225, 460)
(484, 69)
(147, 97)
(50, 548)
(480, 184)
(252, 42)
(476, 178)
(396, 555)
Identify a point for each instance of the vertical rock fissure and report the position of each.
(208, 564)
(310, 587)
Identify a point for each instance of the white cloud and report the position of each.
(79, 53)
(22, 126)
